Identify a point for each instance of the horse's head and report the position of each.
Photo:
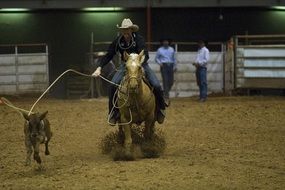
(134, 69)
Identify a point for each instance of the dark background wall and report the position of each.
(192, 24)
(68, 32)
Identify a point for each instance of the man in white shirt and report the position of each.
(201, 69)
(165, 57)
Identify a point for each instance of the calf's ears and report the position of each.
(43, 115)
(141, 56)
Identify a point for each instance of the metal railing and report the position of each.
(259, 61)
(23, 68)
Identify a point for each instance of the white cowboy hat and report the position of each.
(127, 23)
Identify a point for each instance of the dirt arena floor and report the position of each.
(225, 143)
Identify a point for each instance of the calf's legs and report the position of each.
(37, 157)
(46, 148)
(29, 151)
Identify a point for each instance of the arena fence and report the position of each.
(245, 62)
(23, 68)
(259, 61)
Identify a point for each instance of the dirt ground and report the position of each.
(225, 143)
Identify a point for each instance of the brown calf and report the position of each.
(37, 131)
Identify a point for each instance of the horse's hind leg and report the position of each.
(149, 129)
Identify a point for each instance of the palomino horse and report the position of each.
(136, 101)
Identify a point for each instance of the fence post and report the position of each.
(47, 65)
(17, 69)
(235, 60)
(90, 63)
(223, 49)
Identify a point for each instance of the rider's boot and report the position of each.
(161, 106)
(113, 117)
(160, 116)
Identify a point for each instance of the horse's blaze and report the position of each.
(133, 83)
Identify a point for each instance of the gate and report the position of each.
(259, 61)
(23, 69)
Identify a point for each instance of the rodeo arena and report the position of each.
(145, 94)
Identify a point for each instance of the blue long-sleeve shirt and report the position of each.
(165, 55)
(203, 57)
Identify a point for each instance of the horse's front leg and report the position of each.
(128, 138)
(121, 135)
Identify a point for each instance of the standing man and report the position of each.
(131, 42)
(201, 69)
(165, 57)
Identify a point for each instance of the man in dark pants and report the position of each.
(131, 42)
(201, 69)
(165, 57)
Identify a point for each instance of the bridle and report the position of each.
(137, 78)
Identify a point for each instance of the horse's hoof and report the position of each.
(121, 154)
(28, 163)
(40, 168)
(47, 152)
(129, 156)
(38, 160)
(153, 148)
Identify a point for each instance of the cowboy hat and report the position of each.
(127, 23)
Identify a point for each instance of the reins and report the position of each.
(115, 100)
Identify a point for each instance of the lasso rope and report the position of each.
(69, 70)
(114, 106)
(9, 104)
(20, 110)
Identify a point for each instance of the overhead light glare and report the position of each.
(279, 7)
(102, 9)
(13, 10)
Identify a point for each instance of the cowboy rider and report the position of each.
(131, 42)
